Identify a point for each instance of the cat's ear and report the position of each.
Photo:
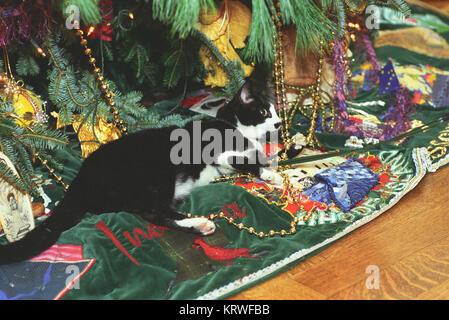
(245, 93)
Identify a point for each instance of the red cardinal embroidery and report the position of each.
(221, 254)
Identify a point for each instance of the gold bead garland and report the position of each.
(281, 92)
(278, 73)
(251, 230)
(51, 171)
(107, 94)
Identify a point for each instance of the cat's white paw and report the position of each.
(204, 226)
(271, 176)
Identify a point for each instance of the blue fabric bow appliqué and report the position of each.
(345, 184)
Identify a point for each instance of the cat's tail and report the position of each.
(42, 237)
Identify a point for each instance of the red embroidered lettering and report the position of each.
(136, 233)
(235, 211)
(102, 226)
(151, 231)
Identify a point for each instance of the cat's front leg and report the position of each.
(243, 164)
(171, 218)
(199, 225)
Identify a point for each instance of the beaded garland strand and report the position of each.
(278, 73)
(251, 230)
(313, 91)
(104, 87)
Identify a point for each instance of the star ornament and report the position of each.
(388, 80)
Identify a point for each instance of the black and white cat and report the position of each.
(137, 174)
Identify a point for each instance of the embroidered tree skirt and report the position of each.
(119, 256)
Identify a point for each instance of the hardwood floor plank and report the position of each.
(281, 287)
(423, 271)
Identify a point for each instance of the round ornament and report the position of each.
(356, 7)
(27, 105)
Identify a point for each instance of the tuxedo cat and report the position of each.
(137, 174)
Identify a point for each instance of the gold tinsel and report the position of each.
(104, 132)
(227, 28)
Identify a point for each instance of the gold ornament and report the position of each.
(27, 105)
(356, 8)
(227, 28)
(91, 137)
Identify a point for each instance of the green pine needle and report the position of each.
(89, 10)
(27, 66)
(182, 15)
(260, 44)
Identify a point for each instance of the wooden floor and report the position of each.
(407, 247)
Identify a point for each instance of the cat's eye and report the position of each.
(264, 112)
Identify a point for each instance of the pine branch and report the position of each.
(89, 10)
(341, 17)
(75, 92)
(399, 5)
(260, 44)
(312, 24)
(10, 177)
(20, 142)
(27, 65)
(182, 15)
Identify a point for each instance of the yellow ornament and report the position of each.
(104, 132)
(356, 8)
(227, 28)
(27, 105)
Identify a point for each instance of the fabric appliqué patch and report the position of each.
(345, 184)
(49, 275)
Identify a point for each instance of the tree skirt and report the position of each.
(119, 256)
